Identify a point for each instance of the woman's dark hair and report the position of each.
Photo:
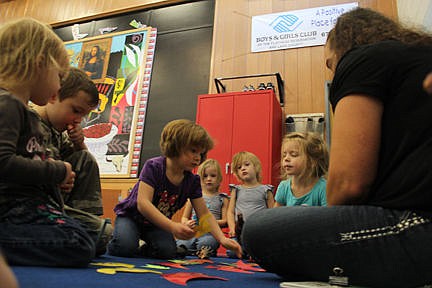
(363, 26)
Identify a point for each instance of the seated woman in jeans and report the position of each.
(377, 230)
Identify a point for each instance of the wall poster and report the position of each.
(120, 65)
(295, 29)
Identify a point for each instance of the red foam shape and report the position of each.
(173, 265)
(249, 267)
(229, 269)
(182, 277)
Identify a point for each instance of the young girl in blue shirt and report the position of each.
(304, 164)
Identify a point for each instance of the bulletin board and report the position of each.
(120, 64)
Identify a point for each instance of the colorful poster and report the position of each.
(120, 64)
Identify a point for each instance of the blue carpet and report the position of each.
(44, 277)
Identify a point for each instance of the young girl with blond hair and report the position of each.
(34, 230)
(248, 197)
(304, 164)
(217, 202)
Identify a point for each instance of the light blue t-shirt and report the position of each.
(315, 197)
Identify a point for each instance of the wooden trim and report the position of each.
(115, 12)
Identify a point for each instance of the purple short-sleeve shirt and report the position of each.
(167, 197)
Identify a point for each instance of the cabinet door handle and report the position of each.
(227, 165)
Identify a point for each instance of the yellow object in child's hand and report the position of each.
(203, 226)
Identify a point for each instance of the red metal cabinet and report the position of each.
(243, 121)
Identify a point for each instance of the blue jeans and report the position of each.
(127, 233)
(95, 226)
(197, 243)
(34, 233)
(375, 247)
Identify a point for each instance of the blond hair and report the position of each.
(27, 44)
(242, 156)
(207, 164)
(316, 154)
(181, 134)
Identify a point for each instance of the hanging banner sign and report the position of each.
(294, 29)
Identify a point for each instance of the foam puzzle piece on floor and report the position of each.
(243, 266)
(112, 271)
(229, 269)
(182, 277)
(249, 266)
(112, 264)
(172, 265)
(153, 266)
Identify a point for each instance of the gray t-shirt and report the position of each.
(250, 200)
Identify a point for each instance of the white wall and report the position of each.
(416, 13)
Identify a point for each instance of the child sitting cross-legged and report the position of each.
(60, 119)
(210, 177)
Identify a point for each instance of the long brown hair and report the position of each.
(363, 26)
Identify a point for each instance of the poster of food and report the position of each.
(120, 65)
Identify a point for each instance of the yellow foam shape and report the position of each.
(112, 264)
(204, 225)
(112, 271)
(152, 266)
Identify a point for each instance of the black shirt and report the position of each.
(394, 72)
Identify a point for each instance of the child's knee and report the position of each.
(208, 242)
(168, 253)
(122, 247)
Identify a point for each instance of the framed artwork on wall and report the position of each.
(120, 65)
(94, 58)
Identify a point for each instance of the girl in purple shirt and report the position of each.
(165, 183)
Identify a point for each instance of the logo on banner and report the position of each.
(286, 23)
